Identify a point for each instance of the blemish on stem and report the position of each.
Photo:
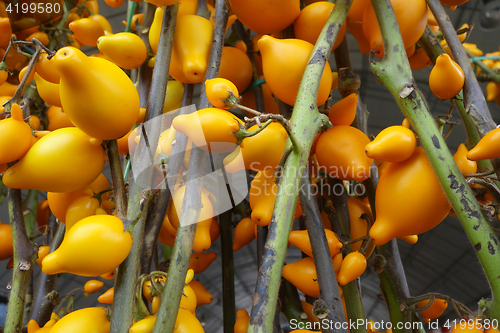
(453, 181)
(435, 141)
(491, 248)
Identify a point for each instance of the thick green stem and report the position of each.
(128, 271)
(306, 122)
(120, 194)
(25, 254)
(395, 73)
(393, 285)
(30, 206)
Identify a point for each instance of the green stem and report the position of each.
(490, 72)
(291, 304)
(395, 73)
(393, 285)
(306, 122)
(130, 13)
(128, 271)
(25, 254)
(30, 205)
(120, 193)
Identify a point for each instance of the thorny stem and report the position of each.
(306, 123)
(395, 73)
(128, 271)
(169, 306)
(25, 254)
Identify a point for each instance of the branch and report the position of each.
(169, 306)
(393, 284)
(305, 123)
(328, 286)
(395, 73)
(46, 296)
(119, 190)
(128, 271)
(25, 254)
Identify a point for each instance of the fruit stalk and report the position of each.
(46, 295)
(328, 286)
(128, 271)
(119, 190)
(183, 247)
(433, 49)
(25, 254)
(393, 284)
(306, 122)
(352, 292)
(395, 73)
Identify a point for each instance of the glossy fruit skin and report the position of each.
(435, 310)
(255, 153)
(79, 209)
(6, 245)
(409, 199)
(419, 60)
(107, 296)
(59, 202)
(105, 242)
(188, 299)
(173, 96)
(217, 127)
(155, 29)
(393, 144)
(15, 136)
(354, 24)
(42, 214)
(341, 150)
(57, 118)
(263, 192)
(219, 90)
(112, 102)
(344, 111)
(93, 286)
(103, 22)
(187, 322)
(87, 31)
(465, 165)
(243, 233)
(353, 265)
(199, 262)
(42, 253)
(62, 161)
(144, 325)
(202, 295)
(125, 49)
(300, 239)
(412, 20)
(311, 21)
(302, 274)
(487, 147)
(284, 62)
(236, 67)
(242, 320)
(446, 78)
(358, 224)
(87, 320)
(191, 48)
(202, 239)
(266, 16)
(49, 92)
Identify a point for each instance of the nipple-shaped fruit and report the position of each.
(300, 239)
(92, 247)
(15, 136)
(284, 62)
(125, 49)
(242, 320)
(465, 165)
(62, 161)
(488, 147)
(446, 78)
(344, 111)
(394, 144)
(409, 199)
(353, 265)
(83, 321)
(96, 95)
